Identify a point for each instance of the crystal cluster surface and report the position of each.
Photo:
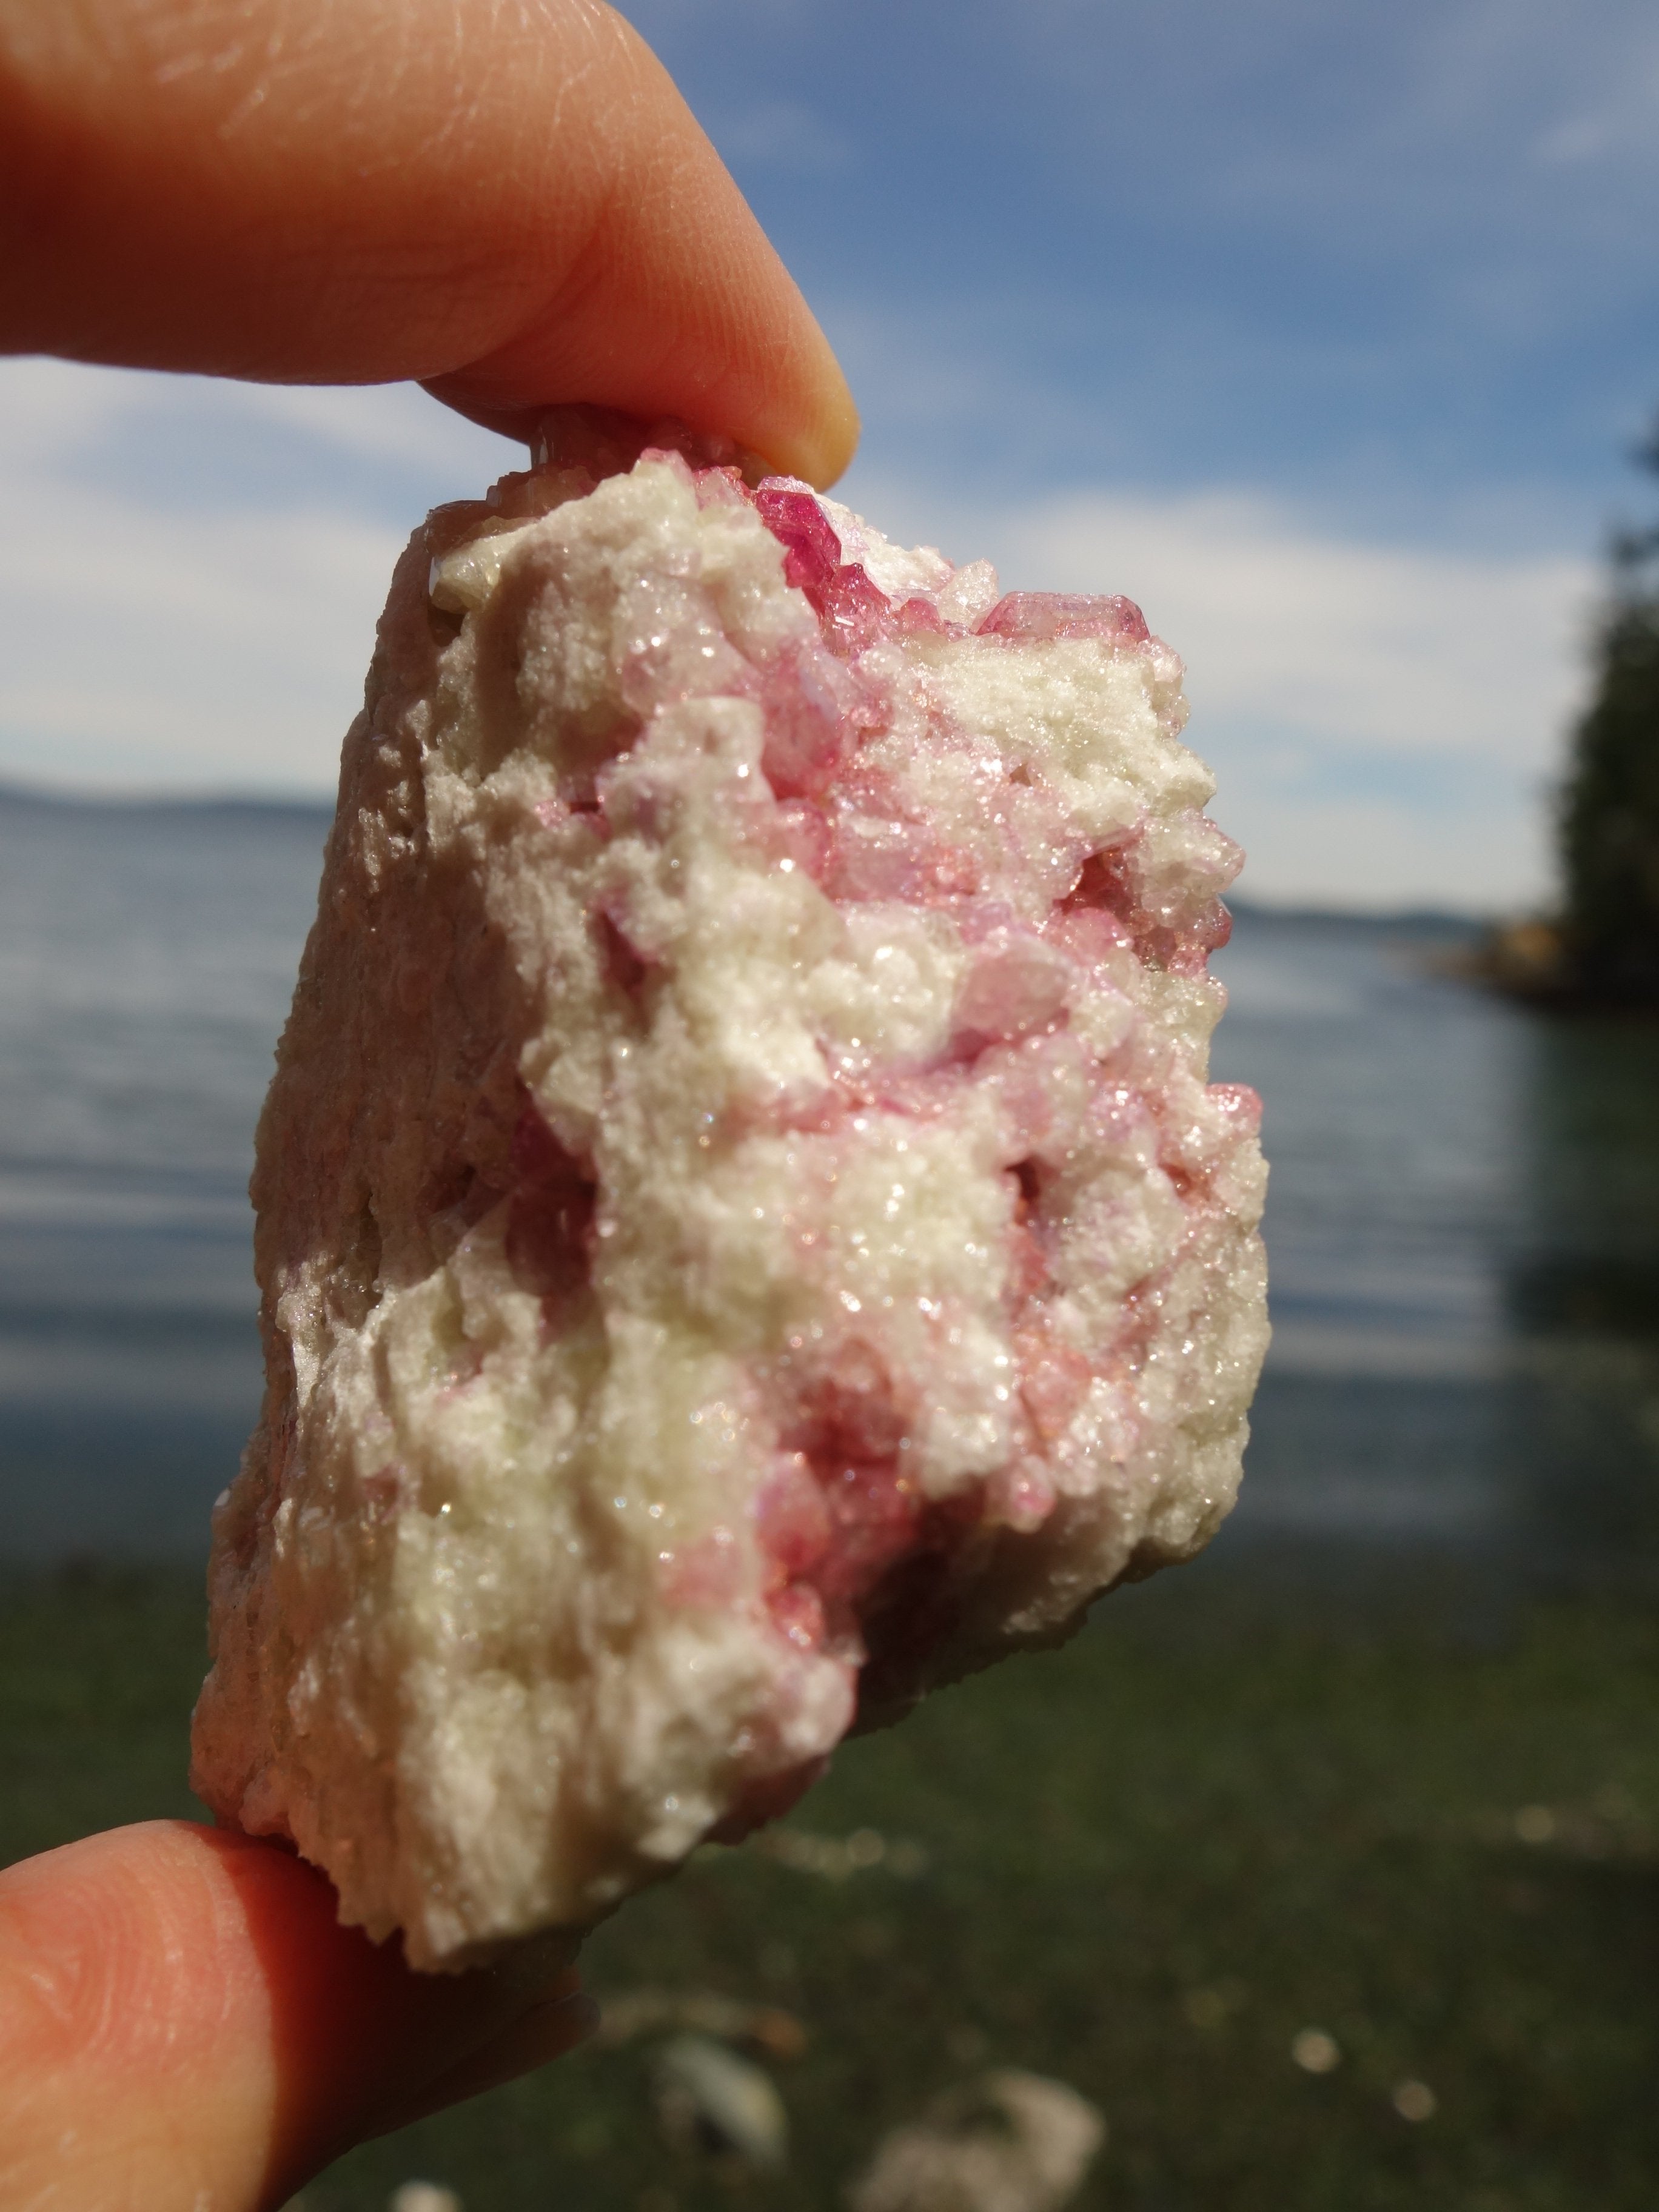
(744, 1233)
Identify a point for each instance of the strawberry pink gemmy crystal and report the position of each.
(744, 1229)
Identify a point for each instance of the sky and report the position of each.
(1323, 332)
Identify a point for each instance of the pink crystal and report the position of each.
(854, 614)
(1029, 616)
(793, 1517)
(796, 1613)
(811, 549)
(1017, 983)
(875, 1512)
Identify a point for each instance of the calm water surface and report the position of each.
(147, 956)
(1463, 1228)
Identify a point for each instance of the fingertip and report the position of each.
(358, 2041)
(832, 437)
(181, 2006)
(672, 303)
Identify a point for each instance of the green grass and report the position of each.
(1150, 1861)
(99, 1670)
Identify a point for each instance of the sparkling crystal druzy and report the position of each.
(743, 1231)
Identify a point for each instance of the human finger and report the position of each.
(505, 200)
(183, 2021)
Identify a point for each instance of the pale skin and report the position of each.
(509, 201)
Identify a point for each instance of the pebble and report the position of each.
(706, 2095)
(423, 2196)
(1009, 2142)
(1315, 2052)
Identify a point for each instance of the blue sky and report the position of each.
(1397, 258)
(1323, 332)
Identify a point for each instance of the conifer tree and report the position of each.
(1609, 820)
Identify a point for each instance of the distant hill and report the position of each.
(1401, 921)
(23, 797)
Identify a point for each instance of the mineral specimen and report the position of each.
(744, 1234)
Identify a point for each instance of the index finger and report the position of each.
(510, 203)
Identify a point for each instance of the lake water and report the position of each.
(1463, 1229)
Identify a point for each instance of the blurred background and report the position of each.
(1328, 1870)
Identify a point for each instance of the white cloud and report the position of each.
(1567, 87)
(206, 644)
(396, 423)
(54, 411)
(1385, 718)
(218, 652)
(781, 134)
(1395, 649)
(1618, 123)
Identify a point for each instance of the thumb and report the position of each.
(183, 2021)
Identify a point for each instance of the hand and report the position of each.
(507, 199)
(184, 2023)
